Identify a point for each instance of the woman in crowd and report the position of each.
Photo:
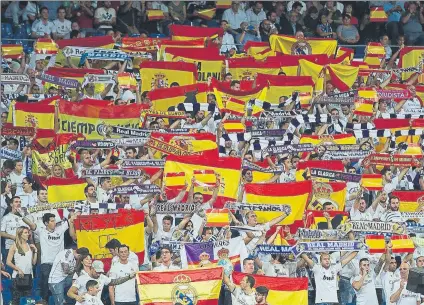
(347, 33)
(324, 29)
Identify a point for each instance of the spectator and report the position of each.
(311, 21)
(235, 16)
(246, 33)
(105, 17)
(266, 30)
(333, 14)
(272, 17)
(228, 45)
(298, 6)
(292, 26)
(17, 176)
(83, 14)
(177, 11)
(166, 260)
(31, 12)
(21, 257)
(62, 27)
(255, 14)
(113, 246)
(412, 21)
(15, 12)
(394, 11)
(348, 9)
(43, 27)
(324, 28)
(367, 31)
(347, 33)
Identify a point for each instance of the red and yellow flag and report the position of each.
(342, 76)
(156, 74)
(217, 218)
(186, 32)
(199, 286)
(207, 14)
(410, 201)
(377, 14)
(227, 168)
(34, 115)
(294, 194)
(411, 57)
(402, 244)
(375, 243)
(127, 81)
(45, 46)
(324, 192)
(245, 70)
(372, 182)
(316, 220)
(255, 47)
(140, 44)
(155, 15)
(13, 51)
(223, 4)
(294, 46)
(328, 139)
(94, 231)
(282, 291)
(65, 189)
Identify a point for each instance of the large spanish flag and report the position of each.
(89, 119)
(294, 46)
(156, 74)
(94, 231)
(34, 115)
(164, 98)
(186, 32)
(314, 70)
(227, 168)
(294, 194)
(209, 64)
(410, 201)
(333, 192)
(328, 139)
(290, 64)
(411, 57)
(402, 244)
(282, 291)
(65, 189)
(195, 286)
(377, 14)
(245, 70)
(372, 182)
(13, 51)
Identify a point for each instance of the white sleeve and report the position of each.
(3, 225)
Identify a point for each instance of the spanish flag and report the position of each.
(410, 201)
(65, 189)
(282, 291)
(375, 243)
(294, 194)
(402, 244)
(377, 14)
(234, 126)
(164, 98)
(411, 57)
(294, 46)
(328, 139)
(246, 70)
(231, 105)
(94, 231)
(333, 192)
(186, 32)
(255, 47)
(342, 76)
(195, 286)
(156, 74)
(90, 120)
(155, 15)
(373, 60)
(13, 51)
(207, 14)
(290, 64)
(194, 44)
(315, 219)
(372, 182)
(46, 46)
(34, 115)
(223, 4)
(217, 218)
(316, 71)
(127, 81)
(302, 166)
(343, 51)
(364, 107)
(227, 168)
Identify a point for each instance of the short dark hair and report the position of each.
(168, 217)
(346, 16)
(16, 142)
(326, 204)
(90, 284)
(47, 216)
(233, 82)
(131, 148)
(262, 290)
(13, 198)
(44, 8)
(251, 280)
(246, 260)
(393, 197)
(9, 164)
(113, 244)
(60, 8)
(364, 259)
(296, 5)
(74, 34)
(86, 188)
(123, 246)
(40, 189)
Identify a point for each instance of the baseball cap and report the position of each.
(98, 266)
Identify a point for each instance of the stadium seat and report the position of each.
(21, 32)
(7, 296)
(6, 284)
(51, 300)
(6, 30)
(27, 301)
(157, 35)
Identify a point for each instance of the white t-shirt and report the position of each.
(326, 283)
(66, 257)
(51, 242)
(17, 180)
(162, 267)
(411, 104)
(406, 297)
(357, 215)
(240, 298)
(389, 279)
(81, 282)
(37, 218)
(105, 14)
(367, 294)
(41, 28)
(62, 28)
(9, 224)
(390, 187)
(28, 200)
(124, 292)
(252, 244)
(351, 188)
(132, 258)
(90, 300)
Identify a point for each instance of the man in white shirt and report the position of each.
(125, 293)
(401, 295)
(228, 45)
(43, 27)
(166, 260)
(359, 210)
(17, 176)
(60, 277)
(413, 102)
(392, 214)
(105, 16)
(243, 294)
(234, 15)
(389, 277)
(51, 243)
(62, 26)
(364, 284)
(113, 247)
(255, 14)
(390, 183)
(15, 11)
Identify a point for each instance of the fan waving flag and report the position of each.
(377, 14)
(65, 189)
(282, 290)
(206, 14)
(410, 201)
(192, 287)
(294, 46)
(372, 182)
(13, 51)
(94, 231)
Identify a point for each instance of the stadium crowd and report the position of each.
(208, 152)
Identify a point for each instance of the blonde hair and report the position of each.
(19, 242)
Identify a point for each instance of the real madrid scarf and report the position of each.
(334, 175)
(93, 144)
(311, 234)
(289, 149)
(253, 167)
(143, 163)
(13, 78)
(101, 55)
(134, 189)
(328, 246)
(258, 207)
(390, 160)
(60, 81)
(103, 172)
(175, 208)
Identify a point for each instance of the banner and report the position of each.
(262, 133)
(334, 175)
(94, 231)
(390, 160)
(282, 290)
(319, 234)
(104, 172)
(17, 131)
(48, 207)
(258, 207)
(13, 78)
(6, 153)
(289, 149)
(293, 46)
(374, 227)
(136, 189)
(168, 149)
(254, 167)
(93, 144)
(347, 154)
(142, 163)
(188, 287)
(100, 55)
(176, 208)
(60, 81)
(140, 44)
(393, 94)
(129, 141)
(328, 246)
(226, 253)
(273, 249)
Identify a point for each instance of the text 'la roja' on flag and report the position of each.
(229, 170)
(294, 194)
(94, 231)
(410, 201)
(282, 290)
(90, 120)
(293, 46)
(157, 74)
(197, 286)
(65, 189)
